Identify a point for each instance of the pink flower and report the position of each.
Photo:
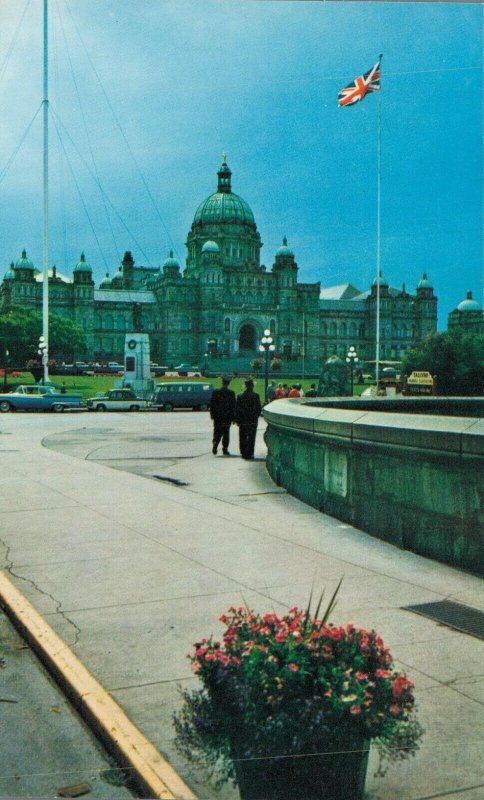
(355, 710)
(383, 673)
(395, 710)
(280, 637)
(210, 657)
(362, 676)
(293, 667)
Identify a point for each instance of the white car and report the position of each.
(117, 400)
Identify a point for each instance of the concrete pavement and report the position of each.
(130, 539)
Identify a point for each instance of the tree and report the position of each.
(455, 358)
(20, 329)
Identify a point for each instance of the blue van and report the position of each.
(182, 394)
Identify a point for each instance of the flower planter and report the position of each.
(330, 775)
(289, 705)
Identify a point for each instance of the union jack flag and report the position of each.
(356, 91)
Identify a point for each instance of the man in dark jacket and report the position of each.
(247, 413)
(222, 411)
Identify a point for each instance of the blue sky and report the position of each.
(258, 80)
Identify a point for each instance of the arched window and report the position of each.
(324, 329)
(332, 329)
(342, 330)
(227, 325)
(108, 322)
(352, 329)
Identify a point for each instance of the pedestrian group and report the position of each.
(243, 410)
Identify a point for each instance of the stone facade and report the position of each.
(220, 305)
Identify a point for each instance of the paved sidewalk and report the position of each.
(130, 569)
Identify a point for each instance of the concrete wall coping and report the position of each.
(451, 434)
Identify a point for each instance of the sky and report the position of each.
(145, 97)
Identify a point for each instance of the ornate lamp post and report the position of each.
(351, 359)
(266, 346)
(42, 351)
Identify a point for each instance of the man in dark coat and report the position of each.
(222, 411)
(247, 413)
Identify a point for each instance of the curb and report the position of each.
(154, 776)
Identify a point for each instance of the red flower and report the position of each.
(383, 673)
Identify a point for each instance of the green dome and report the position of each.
(284, 250)
(381, 281)
(10, 274)
(424, 282)
(24, 262)
(105, 282)
(224, 207)
(82, 266)
(469, 304)
(171, 261)
(210, 247)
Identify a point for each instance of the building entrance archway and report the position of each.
(247, 338)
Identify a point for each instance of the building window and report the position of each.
(227, 325)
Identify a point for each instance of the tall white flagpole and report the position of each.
(45, 282)
(378, 238)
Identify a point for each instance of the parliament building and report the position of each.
(217, 307)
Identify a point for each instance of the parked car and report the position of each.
(117, 400)
(38, 398)
(183, 394)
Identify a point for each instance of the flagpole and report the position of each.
(378, 238)
(45, 283)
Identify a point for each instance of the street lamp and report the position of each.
(266, 346)
(5, 371)
(351, 359)
(42, 351)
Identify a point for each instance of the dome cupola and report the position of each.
(469, 304)
(24, 262)
(106, 282)
(424, 282)
(224, 176)
(10, 273)
(82, 265)
(210, 247)
(226, 220)
(284, 250)
(171, 266)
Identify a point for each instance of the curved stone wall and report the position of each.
(413, 479)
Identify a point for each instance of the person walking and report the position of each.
(247, 413)
(222, 412)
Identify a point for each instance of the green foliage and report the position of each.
(20, 329)
(455, 358)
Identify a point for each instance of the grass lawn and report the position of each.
(89, 385)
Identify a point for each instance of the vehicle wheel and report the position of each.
(168, 407)
(100, 407)
(203, 407)
(134, 408)
(5, 406)
(57, 408)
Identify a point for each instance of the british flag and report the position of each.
(356, 91)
